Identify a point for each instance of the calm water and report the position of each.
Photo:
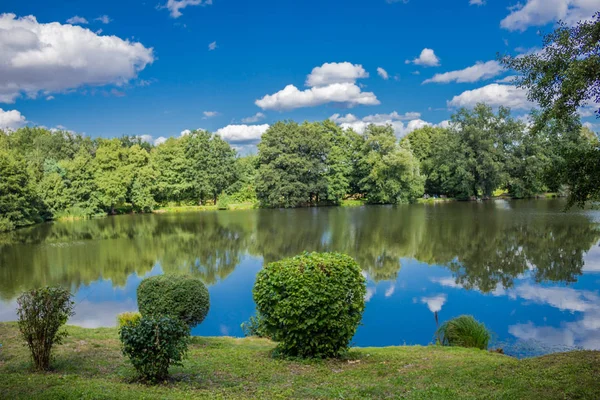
(525, 268)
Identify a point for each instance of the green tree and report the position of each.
(171, 166)
(113, 173)
(389, 173)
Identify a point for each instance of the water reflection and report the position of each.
(510, 256)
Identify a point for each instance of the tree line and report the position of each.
(48, 174)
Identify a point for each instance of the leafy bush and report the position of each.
(154, 344)
(41, 313)
(128, 318)
(223, 202)
(179, 296)
(255, 326)
(464, 331)
(312, 303)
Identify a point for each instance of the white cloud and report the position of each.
(185, 132)
(329, 83)
(479, 71)
(52, 57)
(390, 291)
(242, 133)
(494, 95)
(435, 303)
(255, 118)
(291, 97)
(210, 114)
(507, 79)
(394, 119)
(563, 298)
(11, 119)
(105, 19)
(77, 20)
(370, 293)
(427, 59)
(383, 73)
(160, 140)
(212, 46)
(542, 12)
(589, 109)
(175, 6)
(146, 138)
(476, 2)
(330, 73)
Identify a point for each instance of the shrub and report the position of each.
(154, 344)
(255, 326)
(464, 331)
(128, 318)
(179, 296)
(311, 304)
(41, 313)
(223, 202)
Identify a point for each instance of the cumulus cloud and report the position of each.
(77, 20)
(435, 303)
(330, 73)
(494, 95)
(426, 59)
(479, 71)
(394, 119)
(242, 134)
(10, 120)
(542, 12)
(210, 114)
(507, 79)
(291, 97)
(160, 140)
(255, 118)
(37, 57)
(175, 6)
(212, 46)
(383, 73)
(329, 83)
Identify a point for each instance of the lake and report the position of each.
(528, 270)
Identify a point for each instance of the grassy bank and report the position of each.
(90, 365)
(179, 209)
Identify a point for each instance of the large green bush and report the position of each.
(153, 344)
(179, 296)
(41, 313)
(312, 303)
(464, 331)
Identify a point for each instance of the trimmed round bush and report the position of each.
(153, 344)
(464, 331)
(178, 296)
(311, 304)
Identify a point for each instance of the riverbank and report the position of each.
(89, 365)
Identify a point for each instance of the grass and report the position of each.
(464, 331)
(353, 203)
(178, 209)
(89, 365)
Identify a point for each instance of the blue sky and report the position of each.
(156, 68)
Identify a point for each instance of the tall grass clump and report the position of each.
(464, 331)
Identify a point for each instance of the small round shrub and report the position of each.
(255, 326)
(153, 344)
(179, 296)
(464, 331)
(311, 304)
(128, 318)
(41, 313)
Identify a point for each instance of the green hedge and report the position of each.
(311, 304)
(179, 296)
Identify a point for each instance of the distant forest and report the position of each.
(48, 174)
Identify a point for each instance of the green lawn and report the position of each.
(89, 365)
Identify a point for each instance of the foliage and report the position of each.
(223, 202)
(464, 331)
(153, 344)
(128, 318)
(312, 303)
(179, 296)
(41, 313)
(255, 326)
